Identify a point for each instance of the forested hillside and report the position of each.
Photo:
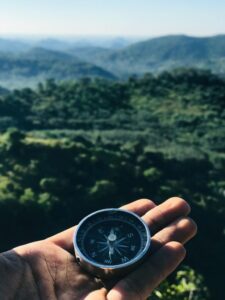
(69, 148)
(159, 54)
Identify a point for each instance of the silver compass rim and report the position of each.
(118, 266)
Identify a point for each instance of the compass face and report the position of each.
(112, 238)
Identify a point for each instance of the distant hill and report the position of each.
(23, 64)
(52, 44)
(12, 46)
(22, 43)
(3, 91)
(103, 42)
(42, 54)
(40, 64)
(158, 54)
(90, 53)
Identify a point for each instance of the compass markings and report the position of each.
(113, 239)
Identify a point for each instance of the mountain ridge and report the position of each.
(153, 55)
(38, 65)
(158, 54)
(12, 46)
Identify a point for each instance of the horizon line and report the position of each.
(59, 35)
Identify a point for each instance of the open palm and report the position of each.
(49, 269)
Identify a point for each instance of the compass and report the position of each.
(111, 242)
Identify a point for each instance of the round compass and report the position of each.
(111, 242)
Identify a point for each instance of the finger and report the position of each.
(165, 213)
(140, 207)
(140, 283)
(64, 239)
(97, 295)
(182, 230)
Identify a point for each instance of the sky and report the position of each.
(112, 17)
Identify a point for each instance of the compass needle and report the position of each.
(103, 249)
(122, 239)
(118, 251)
(111, 252)
(102, 243)
(122, 246)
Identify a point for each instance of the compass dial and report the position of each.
(111, 238)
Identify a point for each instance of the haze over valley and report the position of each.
(25, 62)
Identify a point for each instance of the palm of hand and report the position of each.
(51, 272)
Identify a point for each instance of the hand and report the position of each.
(47, 269)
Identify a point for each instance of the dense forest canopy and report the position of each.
(77, 146)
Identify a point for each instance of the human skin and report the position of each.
(47, 269)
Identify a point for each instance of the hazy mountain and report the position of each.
(90, 53)
(103, 42)
(20, 67)
(18, 44)
(53, 44)
(12, 46)
(42, 54)
(163, 53)
(3, 91)
(40, 64)
(115, 43)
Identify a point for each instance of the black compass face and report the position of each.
(112, 237)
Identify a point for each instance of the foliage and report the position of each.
(187, 285)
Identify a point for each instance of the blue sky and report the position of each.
(116, 17)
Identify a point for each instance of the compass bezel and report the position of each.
(131, 262)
